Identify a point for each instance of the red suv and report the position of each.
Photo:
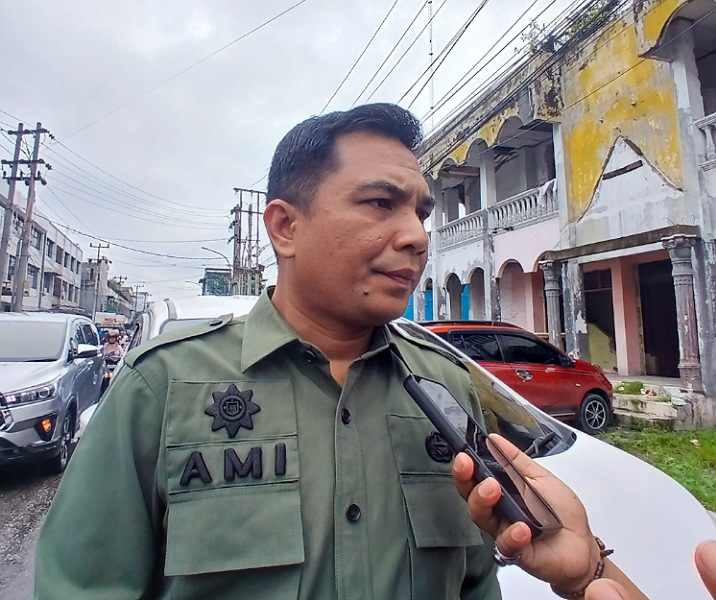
(567, 389)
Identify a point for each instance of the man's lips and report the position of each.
(403, 276)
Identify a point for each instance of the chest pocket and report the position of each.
(234, 512)
(441, 531)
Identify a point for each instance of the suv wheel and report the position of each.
(594, 414)
(58, 463)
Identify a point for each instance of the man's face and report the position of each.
(360, 251)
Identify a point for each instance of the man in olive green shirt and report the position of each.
(277, 455)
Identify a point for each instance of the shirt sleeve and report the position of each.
(100, 538)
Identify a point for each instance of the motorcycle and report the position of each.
(110, 365)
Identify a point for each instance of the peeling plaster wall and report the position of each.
(633, 202)
(526, 245)
(639, 105)
(651, 17)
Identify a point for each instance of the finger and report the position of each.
(523, 463)
(705, 558)
(462, 471)
(480, 505)
(514, 539)
(605, 589)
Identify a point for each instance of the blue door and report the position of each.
(465, 303)
(409, 312)
(428, 305)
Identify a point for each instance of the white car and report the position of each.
(650, 520)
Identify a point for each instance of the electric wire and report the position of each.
(392, 50)
(186, 69)
(444, 53)
(405, 53)
(361, 55)
(616, 14)
(467, 77)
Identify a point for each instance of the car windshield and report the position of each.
(525, 426)
(31, 341)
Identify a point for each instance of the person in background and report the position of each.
(112, 347)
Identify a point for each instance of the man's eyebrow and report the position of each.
(394, 190)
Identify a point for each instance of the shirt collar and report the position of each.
(266, 331)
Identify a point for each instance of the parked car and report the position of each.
(170, 315)
(50, 371)
(568, 389)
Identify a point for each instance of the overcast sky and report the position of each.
(189, 142)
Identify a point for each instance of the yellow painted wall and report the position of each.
(652, 16)
(609, 91)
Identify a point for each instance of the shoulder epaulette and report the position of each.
(178, 335)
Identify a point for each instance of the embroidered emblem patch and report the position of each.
(437, 448)
(232, 409)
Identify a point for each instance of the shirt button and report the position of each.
(353, 512)
(310, 356)
(345, 416)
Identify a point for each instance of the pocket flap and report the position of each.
(236, 529)
(438, 514)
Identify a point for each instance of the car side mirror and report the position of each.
(86, 351)
(565, 361)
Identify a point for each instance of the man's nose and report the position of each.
(412, 233)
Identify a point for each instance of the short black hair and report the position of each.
(306, 154)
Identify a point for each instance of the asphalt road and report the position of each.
(25, 497)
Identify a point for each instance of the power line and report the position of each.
(445, 52)
(76, 169)
(459, 85)
(355, 64)
(547, 65)
(186, 69)
(100, 169)
(405, 53)
(393, 49)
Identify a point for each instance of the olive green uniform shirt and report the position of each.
(226, 462)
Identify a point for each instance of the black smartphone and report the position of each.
(519, 500)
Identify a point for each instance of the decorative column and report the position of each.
(552, 274)
(679, 247)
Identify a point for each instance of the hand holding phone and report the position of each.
(519, 501)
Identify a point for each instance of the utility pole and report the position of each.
(136, 296)
(99, 247)
(21, 273)
(246, 271)
(9, 212)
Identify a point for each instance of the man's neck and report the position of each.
(337, 341)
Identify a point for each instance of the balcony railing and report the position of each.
(524, 208)
(708, 126)
(463, 230)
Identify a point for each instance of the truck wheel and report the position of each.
(594, 414)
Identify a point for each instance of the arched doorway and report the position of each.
(455, 290)
(428, 299)
(513, 305)
(477, 295)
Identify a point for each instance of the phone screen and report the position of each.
(511, 480)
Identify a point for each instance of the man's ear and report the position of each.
(279, 219)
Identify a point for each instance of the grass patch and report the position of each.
(630, 387)
(687, 456)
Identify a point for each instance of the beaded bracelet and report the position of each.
(599, 571)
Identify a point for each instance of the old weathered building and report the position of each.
(576, 195)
